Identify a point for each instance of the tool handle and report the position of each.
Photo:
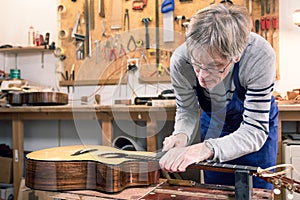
(167, 6)
(257, 25)
(274, 23)
(262, 23)
(267, 21)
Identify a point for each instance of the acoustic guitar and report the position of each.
(92, 167)
(110, 170)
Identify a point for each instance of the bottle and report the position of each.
(37, 39)
(31, 36)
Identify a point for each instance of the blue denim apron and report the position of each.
(212, 127)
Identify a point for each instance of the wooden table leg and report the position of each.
(107, 132)
(18, 152)
(151, 135)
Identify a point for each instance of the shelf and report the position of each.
(90, 82)
(17, 50)
(20, 50)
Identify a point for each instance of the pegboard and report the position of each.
(120, 38)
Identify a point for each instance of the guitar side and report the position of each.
(84, 173)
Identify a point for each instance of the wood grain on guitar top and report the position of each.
(84, 167)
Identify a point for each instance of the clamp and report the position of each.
(139, 4)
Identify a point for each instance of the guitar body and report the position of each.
(92, 168)
(19, 98)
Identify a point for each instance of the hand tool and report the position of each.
(146, 22)
(97, 50)
(87, 28)
(131, 41)
(157, 35)
(139, 4)
(122, 50)
(262, 26)
(104, 28)
(75, 27)
(116, 14)
(274, 35)
(268, 7)
(267, 22)
(274, 6)
(167, 8)
(262, 7)
(250, 7)
(101, 8)
(92, 14)
(144, 57)
(126, 19)
(256, 23)
(179, 19)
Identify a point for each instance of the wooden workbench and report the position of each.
(105, 114)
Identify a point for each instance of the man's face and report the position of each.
(210, 69)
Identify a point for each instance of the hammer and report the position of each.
(146, 22)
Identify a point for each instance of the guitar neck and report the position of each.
(221, 167)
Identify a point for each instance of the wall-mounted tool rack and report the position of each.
(111, 45)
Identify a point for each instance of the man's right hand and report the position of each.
(178, 140)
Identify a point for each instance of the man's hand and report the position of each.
(179, 140)
(179, 158)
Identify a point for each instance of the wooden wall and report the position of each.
(105, 67)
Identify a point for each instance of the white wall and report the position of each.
(289, 45)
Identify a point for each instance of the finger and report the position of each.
(168, 143)
(180, 163)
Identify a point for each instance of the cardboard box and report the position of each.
(6, 170)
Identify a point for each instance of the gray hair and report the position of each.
(221, 29)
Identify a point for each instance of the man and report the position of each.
(229, 72)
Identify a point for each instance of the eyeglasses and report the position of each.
(199, 66)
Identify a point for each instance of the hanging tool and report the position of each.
(267, 21)
(146, 22)
(262, 7)
(97, 43)
(262, 26)
(104, 28)
(116, 14)
(274, 6)
(75, 27)
(101, 8)
(179, 19)
(256, 24)
(144, 57)
(126, 19)
(139, 4)
(92, 14)
(79, 39)
(274, 35)
(250, 7)
(167, 8)
(268, 7)
(131, 42)
(87, 28)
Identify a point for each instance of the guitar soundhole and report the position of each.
(112, 155)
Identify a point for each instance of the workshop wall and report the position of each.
(104, 48)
